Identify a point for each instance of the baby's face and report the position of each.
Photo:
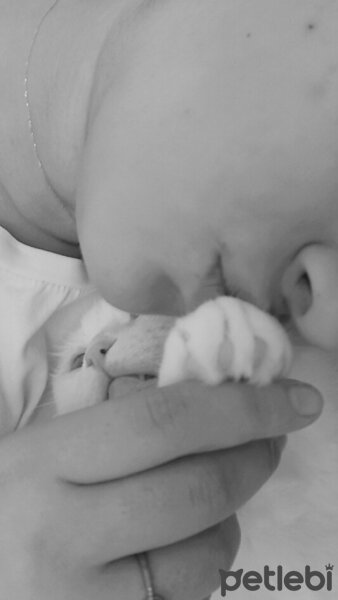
(212, 161)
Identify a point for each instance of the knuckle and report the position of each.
(255, 413)
(227, 483)
(166, 407)
(210, 488)
(263, 413)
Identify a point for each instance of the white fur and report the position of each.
(86, 386)
(219, 340)
(293, 520)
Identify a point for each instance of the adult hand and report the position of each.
(158, 470)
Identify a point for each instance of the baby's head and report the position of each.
(211, 161)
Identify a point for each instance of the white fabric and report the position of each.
(41, 293)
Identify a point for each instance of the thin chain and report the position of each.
(27, 97)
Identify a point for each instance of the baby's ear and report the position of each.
(310, 290)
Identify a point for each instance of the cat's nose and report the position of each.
(97, 350)
(310, 290)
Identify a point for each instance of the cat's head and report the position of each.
(108, 346)
(77, 382)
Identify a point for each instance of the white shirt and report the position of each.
(41, 295)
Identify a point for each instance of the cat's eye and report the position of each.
(77, 361)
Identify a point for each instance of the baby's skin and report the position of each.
(223, 192)
(192, 149)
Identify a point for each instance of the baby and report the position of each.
(237, 195)
(190, 149)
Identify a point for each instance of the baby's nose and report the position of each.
(97, 350)
(310, 289)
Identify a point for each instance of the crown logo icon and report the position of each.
(329, 567)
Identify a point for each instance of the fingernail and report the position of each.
(306, 400)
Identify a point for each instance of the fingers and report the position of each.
(188, 569)
(153, 426)
(164, 505)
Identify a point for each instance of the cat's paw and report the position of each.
(226, 339)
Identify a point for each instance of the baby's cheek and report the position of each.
(80, 389)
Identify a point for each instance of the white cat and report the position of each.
(292, 521)
(223, 339)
